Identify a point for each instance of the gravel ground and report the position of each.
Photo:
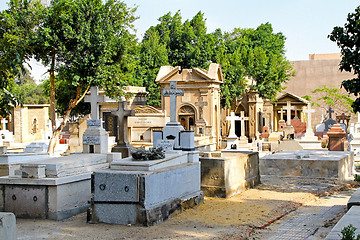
(251, 214)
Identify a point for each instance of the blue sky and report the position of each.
(306, 23)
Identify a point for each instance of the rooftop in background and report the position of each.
(326, 56)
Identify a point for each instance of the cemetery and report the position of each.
(175, 136)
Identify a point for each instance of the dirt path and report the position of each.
(232, 218)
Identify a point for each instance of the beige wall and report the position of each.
(22, 122)
(313, 74)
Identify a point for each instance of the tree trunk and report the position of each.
(66, 116)
(52, 92)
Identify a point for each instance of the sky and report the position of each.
(305, 23)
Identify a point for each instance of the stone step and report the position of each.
(354, 200)
(351, 217)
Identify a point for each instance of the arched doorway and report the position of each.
(187, 117)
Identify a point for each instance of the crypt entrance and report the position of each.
(187, 117)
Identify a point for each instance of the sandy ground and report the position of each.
(237, 217)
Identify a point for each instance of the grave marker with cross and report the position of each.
(122, 114)
(4, 121)
(330, 111)
(232, 119)
(94, 99)
(201, 104)
(309, 134)
(288, 109)
(329, 122)
(173, 93)
(281, 113)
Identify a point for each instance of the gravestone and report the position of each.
(232, 139)
(309, 141)
(329, 122)
(95, 138)
(122, 114)
(147, 192)
(6, 137)
(172, 129)
(288, 109)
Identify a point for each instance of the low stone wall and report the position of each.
(229, 173)
(318, 164)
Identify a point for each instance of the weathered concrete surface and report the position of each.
(144, 197)
(318, 164)
(229, 173)
(7, 226)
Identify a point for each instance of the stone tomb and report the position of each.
(226, 173)
(9, 161)
(145, 192)
(309, 164)
(52, 188)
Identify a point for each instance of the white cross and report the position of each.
(282, 113)
(288, 109)
(3, 123)
(232, 119)
(308, 123)
(242, 119)
(173, 93)
(94, 98)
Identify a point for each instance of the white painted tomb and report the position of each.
(52, 188)
(9, 161)
(148, 192)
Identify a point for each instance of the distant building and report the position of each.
(319, 70)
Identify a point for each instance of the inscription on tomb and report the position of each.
(94, 123)
(91, 140)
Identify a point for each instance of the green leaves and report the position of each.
(16, 29)
(348, 39)
(332, 97)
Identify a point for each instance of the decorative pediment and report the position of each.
(169, 73)
(291, 97)
(146, 110)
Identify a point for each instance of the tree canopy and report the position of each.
(16, 30)
(258, 54)
(348, 39)
(88, 43)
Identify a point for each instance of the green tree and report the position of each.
(256, 54)
(16, 29)
(348, 39)
(28, 91)
(88, 43)
(332, 97)
(153, 55)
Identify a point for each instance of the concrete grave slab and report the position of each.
(319, 164)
